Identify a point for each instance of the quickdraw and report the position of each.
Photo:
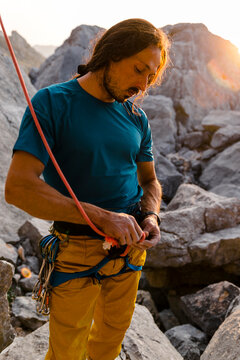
(41, 292)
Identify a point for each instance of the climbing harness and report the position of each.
(49, 278)
(49, 244)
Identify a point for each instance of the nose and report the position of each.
(143, 83)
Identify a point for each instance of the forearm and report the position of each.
(41, 200)
(152, 195)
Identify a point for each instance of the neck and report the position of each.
(92, 83)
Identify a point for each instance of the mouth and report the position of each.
(133, 91)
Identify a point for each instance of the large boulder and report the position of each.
(161, 114)
(62, 65)
(24, 310)
(203, 76)
(189, 341)
(6, 330)
(225, 344)
(218, 119)
(8, 252)
(223, 167)
(12, 106)
(207, 307)
(26, 55)
(169, 177)
(192, 215)
(228, 190)
(199, 240)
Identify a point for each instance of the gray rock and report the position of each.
(7, 333)
(228, 190)
(208, 154)
(224, 344)
(218, 119)
(6, 330)
(168, 176)
(189, 341)
(33, 263)
(26, 55)
(207, 307)
(235, 305)
(194, 81)
(27, 247)
(34, 229)
(161, 114)
(143, 341)
(12, 106)
(226, 136)
(144, 298)
(27, 284)
(33, 346)
(217, 248)
(184, 239)
(168, 319)
(24, 310)
(223, 167)
(194, 140)
(62, 65)
(8, 252)
(6, 275)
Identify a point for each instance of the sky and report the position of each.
(50, 22)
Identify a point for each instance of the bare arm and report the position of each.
(27, 191)
(151, 201)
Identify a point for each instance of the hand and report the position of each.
(150, 226)
(122, 227)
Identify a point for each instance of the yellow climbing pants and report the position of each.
(88, 319)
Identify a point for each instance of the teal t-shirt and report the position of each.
(96, 144)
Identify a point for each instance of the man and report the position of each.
(103, 145)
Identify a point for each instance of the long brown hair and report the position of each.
(126, 39)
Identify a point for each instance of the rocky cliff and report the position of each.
(193, 274)
(27, 56)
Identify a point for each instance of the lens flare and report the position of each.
(223, 77)
(26, 272)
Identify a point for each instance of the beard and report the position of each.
(111, 87)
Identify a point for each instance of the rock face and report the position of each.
(225, 166)
(207, 307)
(62, 65)
(188, 340)
(12, 106)
(205, 74)
(143, 341)
(26, 55)
(6, 330)
(224, 345)
(24, 310)
(161, 114)
(199, 240)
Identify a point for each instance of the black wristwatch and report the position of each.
(145, 214)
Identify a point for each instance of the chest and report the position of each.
(101, 130)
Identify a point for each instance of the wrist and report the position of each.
(146, 214)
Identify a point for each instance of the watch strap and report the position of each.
(145, 214)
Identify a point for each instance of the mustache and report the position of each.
(134, 89)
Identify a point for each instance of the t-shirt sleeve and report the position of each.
(145, 153)
(29, 139)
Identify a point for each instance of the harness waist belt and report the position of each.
(75, 229)
(82, 229)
